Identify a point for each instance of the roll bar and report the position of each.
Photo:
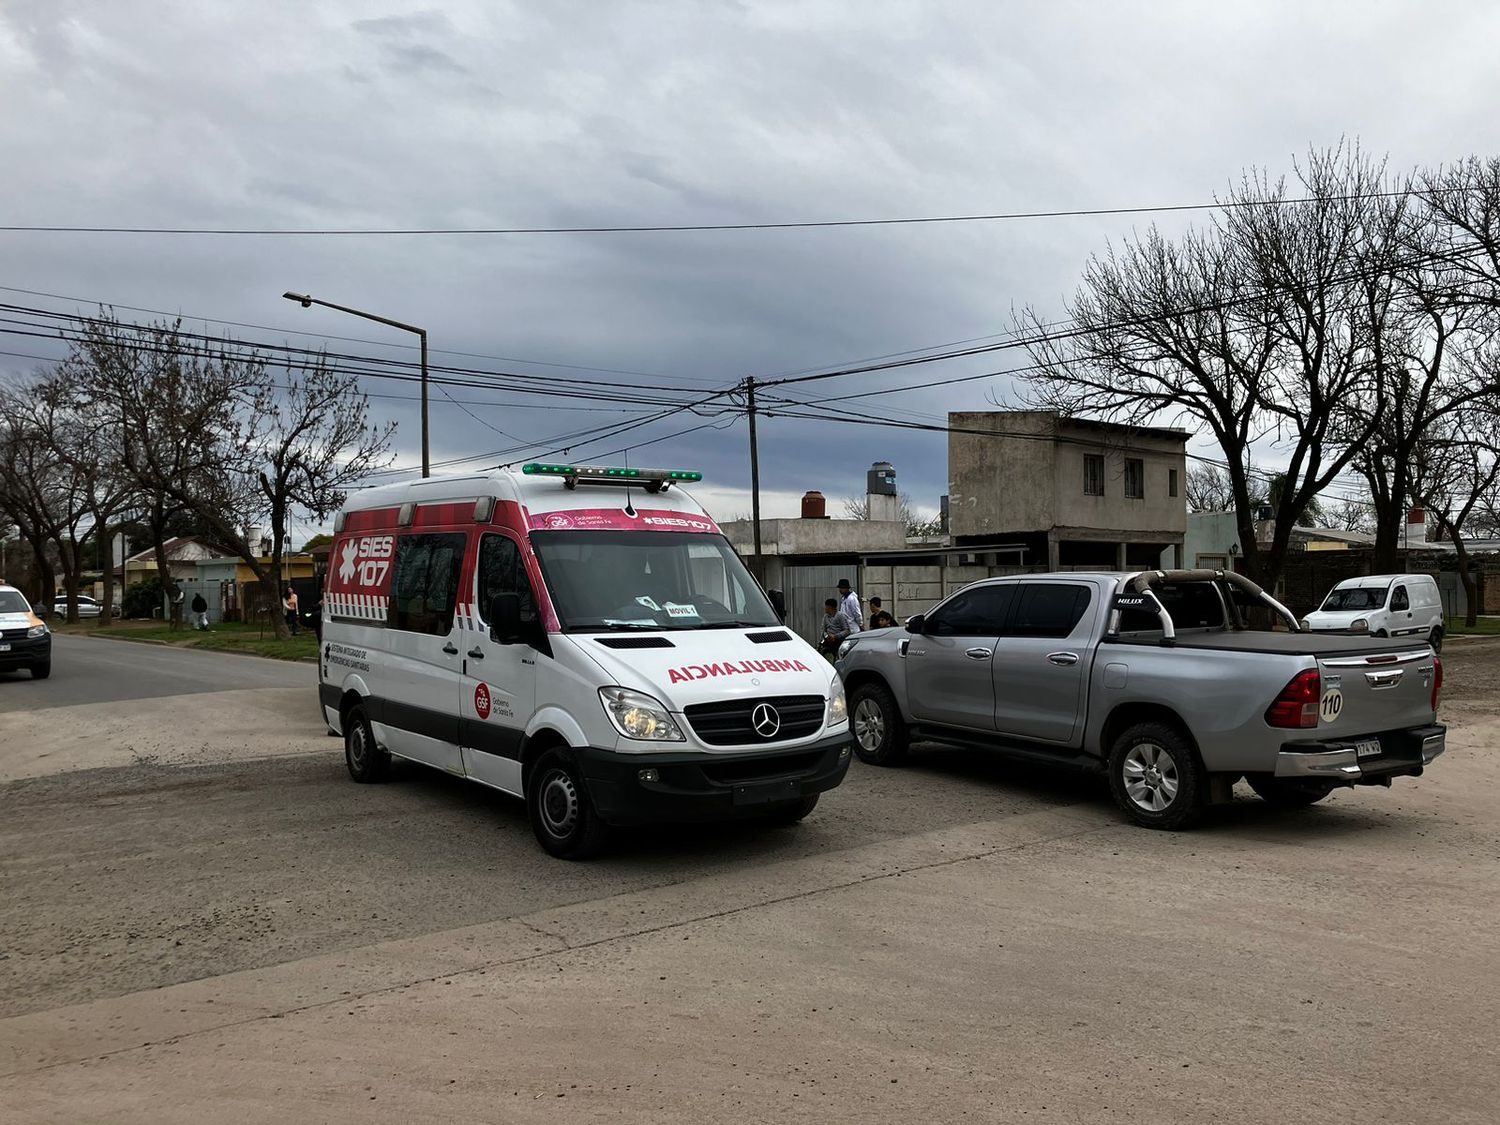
(1143, 582)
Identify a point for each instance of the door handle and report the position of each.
(1063, 659)
(979, 653)
(475, 653)
(451, 649)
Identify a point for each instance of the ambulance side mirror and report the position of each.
(778, 603)
(506, 627)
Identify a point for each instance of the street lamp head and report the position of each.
(301, 298)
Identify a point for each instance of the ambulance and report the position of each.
(581, 637)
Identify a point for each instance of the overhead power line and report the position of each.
(668, 228)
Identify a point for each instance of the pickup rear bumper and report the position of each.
(1402, 753)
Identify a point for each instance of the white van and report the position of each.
(582, 637)
(1383, 605)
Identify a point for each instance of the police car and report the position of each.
(581, 637)
(25, 640)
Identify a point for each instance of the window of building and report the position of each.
(1093, 474)
(1049, 609)
(1171, 482)
(1135, 478)
(424, 583)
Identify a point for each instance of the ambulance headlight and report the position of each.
(838, 707)
(637, 715)
(36, 631)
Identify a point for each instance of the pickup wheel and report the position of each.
(1156, 778)
(1288, 792)
(1436, 639)
(880, 736)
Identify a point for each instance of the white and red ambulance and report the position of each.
(582, 637)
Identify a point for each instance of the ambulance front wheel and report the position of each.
(562, 813)
(367, 762)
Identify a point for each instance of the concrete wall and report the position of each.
(1211, 534)
(1029, 477)
(1002, 483)
(815, 537)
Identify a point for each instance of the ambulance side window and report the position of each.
(501, 571)
(424, 583)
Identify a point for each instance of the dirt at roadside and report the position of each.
(1471, 680)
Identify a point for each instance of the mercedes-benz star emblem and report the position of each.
(765, 720)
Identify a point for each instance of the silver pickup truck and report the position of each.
(1155, 678)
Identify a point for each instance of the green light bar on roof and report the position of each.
(654, 479)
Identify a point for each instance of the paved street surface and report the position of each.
(201, 918)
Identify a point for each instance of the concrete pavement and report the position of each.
(902, 956)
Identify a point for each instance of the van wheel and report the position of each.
(795, 811)
(1288, 792)
(1436, 640)
(367, 762)
(41, 671)
(880, 736)
(1156, 778)
(562, 815)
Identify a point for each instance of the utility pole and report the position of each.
(758, 568)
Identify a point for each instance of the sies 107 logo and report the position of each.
(366, 561)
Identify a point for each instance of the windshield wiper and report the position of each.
(736, 625)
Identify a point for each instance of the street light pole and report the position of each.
(307, 302)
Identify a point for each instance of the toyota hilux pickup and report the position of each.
(1158, 680)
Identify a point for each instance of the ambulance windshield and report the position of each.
(604, 581)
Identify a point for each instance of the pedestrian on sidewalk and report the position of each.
(200, 612)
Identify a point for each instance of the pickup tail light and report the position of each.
(1297, 705)
(1437, 681)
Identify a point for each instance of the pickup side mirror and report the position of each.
(915, 622)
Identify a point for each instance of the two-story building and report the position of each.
(1067, 493)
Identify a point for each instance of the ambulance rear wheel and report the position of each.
(367, 762)
(562, 815)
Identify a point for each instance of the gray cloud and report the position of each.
(557, 114)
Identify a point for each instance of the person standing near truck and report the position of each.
(849, 603)
(200, 612)
(836, 627)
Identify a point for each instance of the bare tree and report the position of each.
(1208, 489)
(1255, 329)
(1349, 514)
(1458, 477)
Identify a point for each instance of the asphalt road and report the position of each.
(91, 670)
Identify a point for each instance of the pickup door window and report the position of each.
(948, 677)
(1041, 662)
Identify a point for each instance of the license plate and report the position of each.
(767, 793)
(1369, 748)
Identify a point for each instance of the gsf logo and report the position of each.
(366, 561)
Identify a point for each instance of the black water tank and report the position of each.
(881, 479)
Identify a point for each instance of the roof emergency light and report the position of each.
(653, 480)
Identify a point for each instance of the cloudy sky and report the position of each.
(571, 113)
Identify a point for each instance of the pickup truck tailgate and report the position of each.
(1381, 691)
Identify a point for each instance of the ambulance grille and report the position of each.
(732, 723)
